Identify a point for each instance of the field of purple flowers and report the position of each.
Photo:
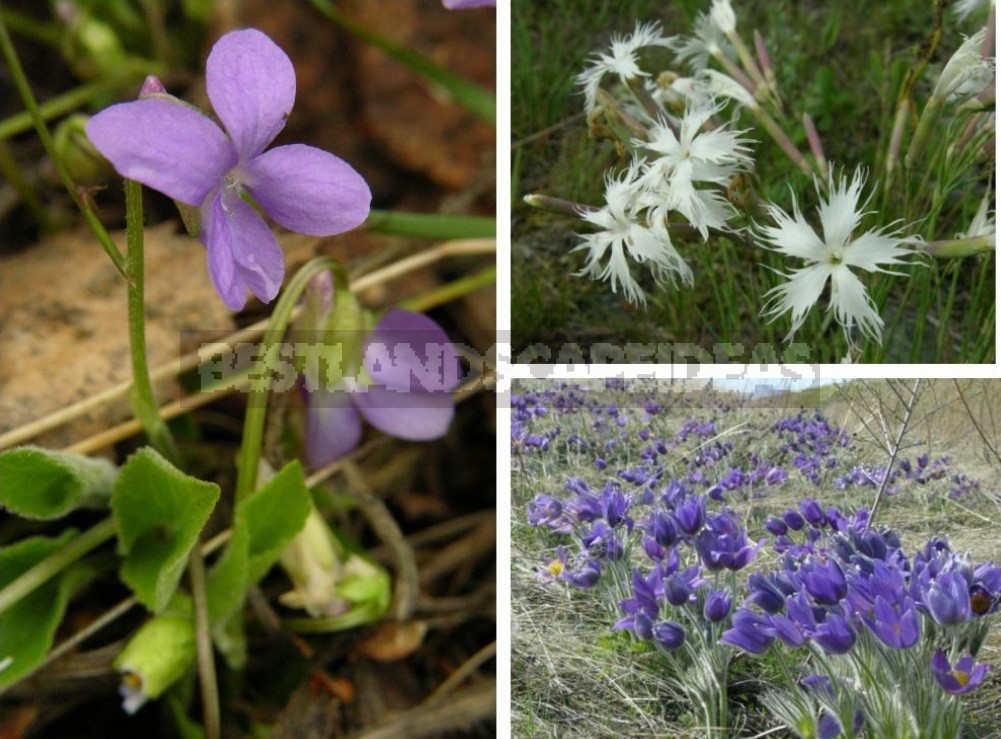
(689, 562)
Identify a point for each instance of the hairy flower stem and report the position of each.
(148, 413)
(260, 383)
(24, 90)
(143, 401)
(44, 570)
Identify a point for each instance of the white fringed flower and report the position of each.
(709, 40)
(966, 73)
(621, 60)
(626, 235)
(690, 156)
(831, 256)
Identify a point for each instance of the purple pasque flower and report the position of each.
(948, 598)
(835, 634)
(172, 147)
(661, 527)
(690, 513)
(897, 626)
(824, 580)
(960, 678)
(668, 634)
(602, 542)
(723, 544)
(644, 597)
(679, 588)
(583, 577)
(717, 605)
(411, 367)
(750, 632)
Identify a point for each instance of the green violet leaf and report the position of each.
(264, 523)
(43, 484)
(28, 627)
(159, 512)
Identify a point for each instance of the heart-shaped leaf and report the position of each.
(159, 512)
(264, 523)
(43, 484)
(28, 627)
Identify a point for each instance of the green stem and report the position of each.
(451, 291)
(206, 661)
(57, 106)
(143, 401)
(260, 382)
(468, 94)
(56, 562)
(431, 225)
(24, 89)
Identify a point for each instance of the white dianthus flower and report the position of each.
(832, 256)
(621, 59)
(626, 236)
(689, 156)
(708, 41)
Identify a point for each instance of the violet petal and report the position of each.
(165, 145)
(308, 190)
(218, 244)
(333, 427)
(251, 83)
(409, 351)
(410, 416)
(236, 227)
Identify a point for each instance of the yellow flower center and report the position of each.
(555, 568)
(961, 677)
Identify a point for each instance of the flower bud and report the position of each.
(84, 163)
(151, 86)
(331, 582)
(158, 655)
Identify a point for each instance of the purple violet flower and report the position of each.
(960, 678)
(463, 4)
(413, 367)
(176, 149)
